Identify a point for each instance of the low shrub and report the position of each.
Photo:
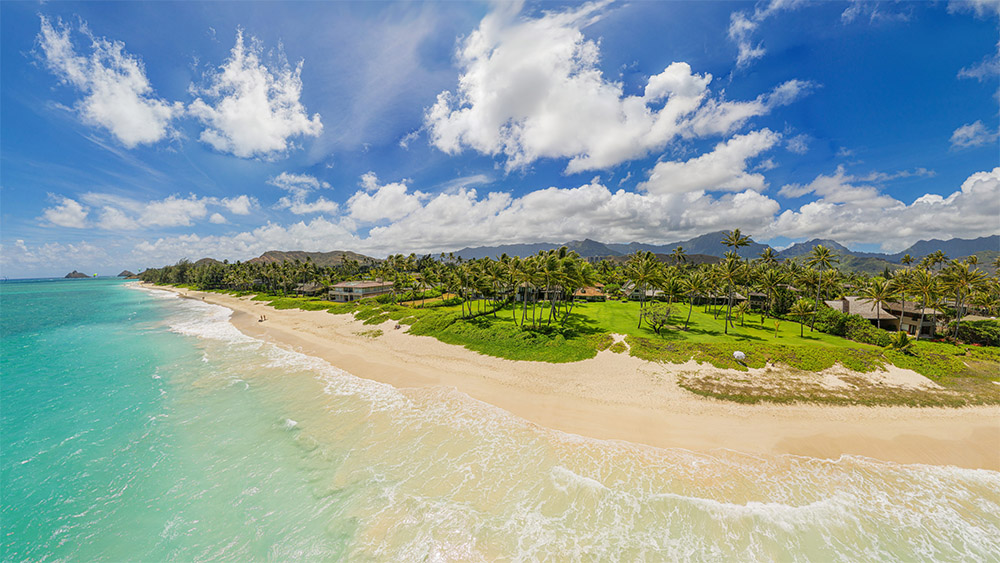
(832, 321)
(986, 333)
(861, 330)
(449, 302)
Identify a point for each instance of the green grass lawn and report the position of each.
(622, 318)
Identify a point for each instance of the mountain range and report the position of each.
(702, 249)
(711, 245)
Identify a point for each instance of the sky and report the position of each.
(133, 135)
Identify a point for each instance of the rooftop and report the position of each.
(854, 305)
(361, 284)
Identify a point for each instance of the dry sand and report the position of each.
(618, 397)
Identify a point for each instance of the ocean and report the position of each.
(140, 426)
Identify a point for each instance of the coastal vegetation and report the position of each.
(666, 310)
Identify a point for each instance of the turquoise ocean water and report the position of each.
(139, 426)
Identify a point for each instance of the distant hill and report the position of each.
(520, 250)
(856, 264)
(587, 248)
(206, 262)
(803, 248)
(334, 258)
(125, 274)
(74, 275)
(692, 259)
(710, 245)
(954, 248)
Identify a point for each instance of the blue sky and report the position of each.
(137, 134)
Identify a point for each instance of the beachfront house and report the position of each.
(633, 293)
(590, 293)
(310, 288)
(854, 305)
(719, 298)
(909, 320)
(893, 316)
(345, 292)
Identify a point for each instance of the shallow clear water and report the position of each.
(140, 426)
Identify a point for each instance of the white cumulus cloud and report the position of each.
(239, 205)
(117, 94)
(383, 201)
(725, 168)
(531, 88)
(114, 219)
(464, 217)
(66, 213)
(972, 135)
(850, 213)
(119, 213)
(253, 110)
(299, 187)
(174, 211)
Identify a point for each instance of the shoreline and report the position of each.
(619, 397)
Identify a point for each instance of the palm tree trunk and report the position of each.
(958, 312)
(902, 311)
(729, 310)
(534, 304)
(920, 325)
(552, 307)
(527, 301)
(642, 304)
(819, 284)
(690, 308)
(513, 308)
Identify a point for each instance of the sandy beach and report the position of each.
(618, 397)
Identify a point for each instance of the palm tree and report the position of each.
(878, 292)
(902, 343)
(642, 270)
(937, 257)
(822, 258)
(769, 256)
(907, 260)
(679, 255)
(961, 279)
(730, 272)
(769, 281)
(900, 283)
(735, 240)
(695, 284)
(925, 285)
(801, 309)
(741, 310)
